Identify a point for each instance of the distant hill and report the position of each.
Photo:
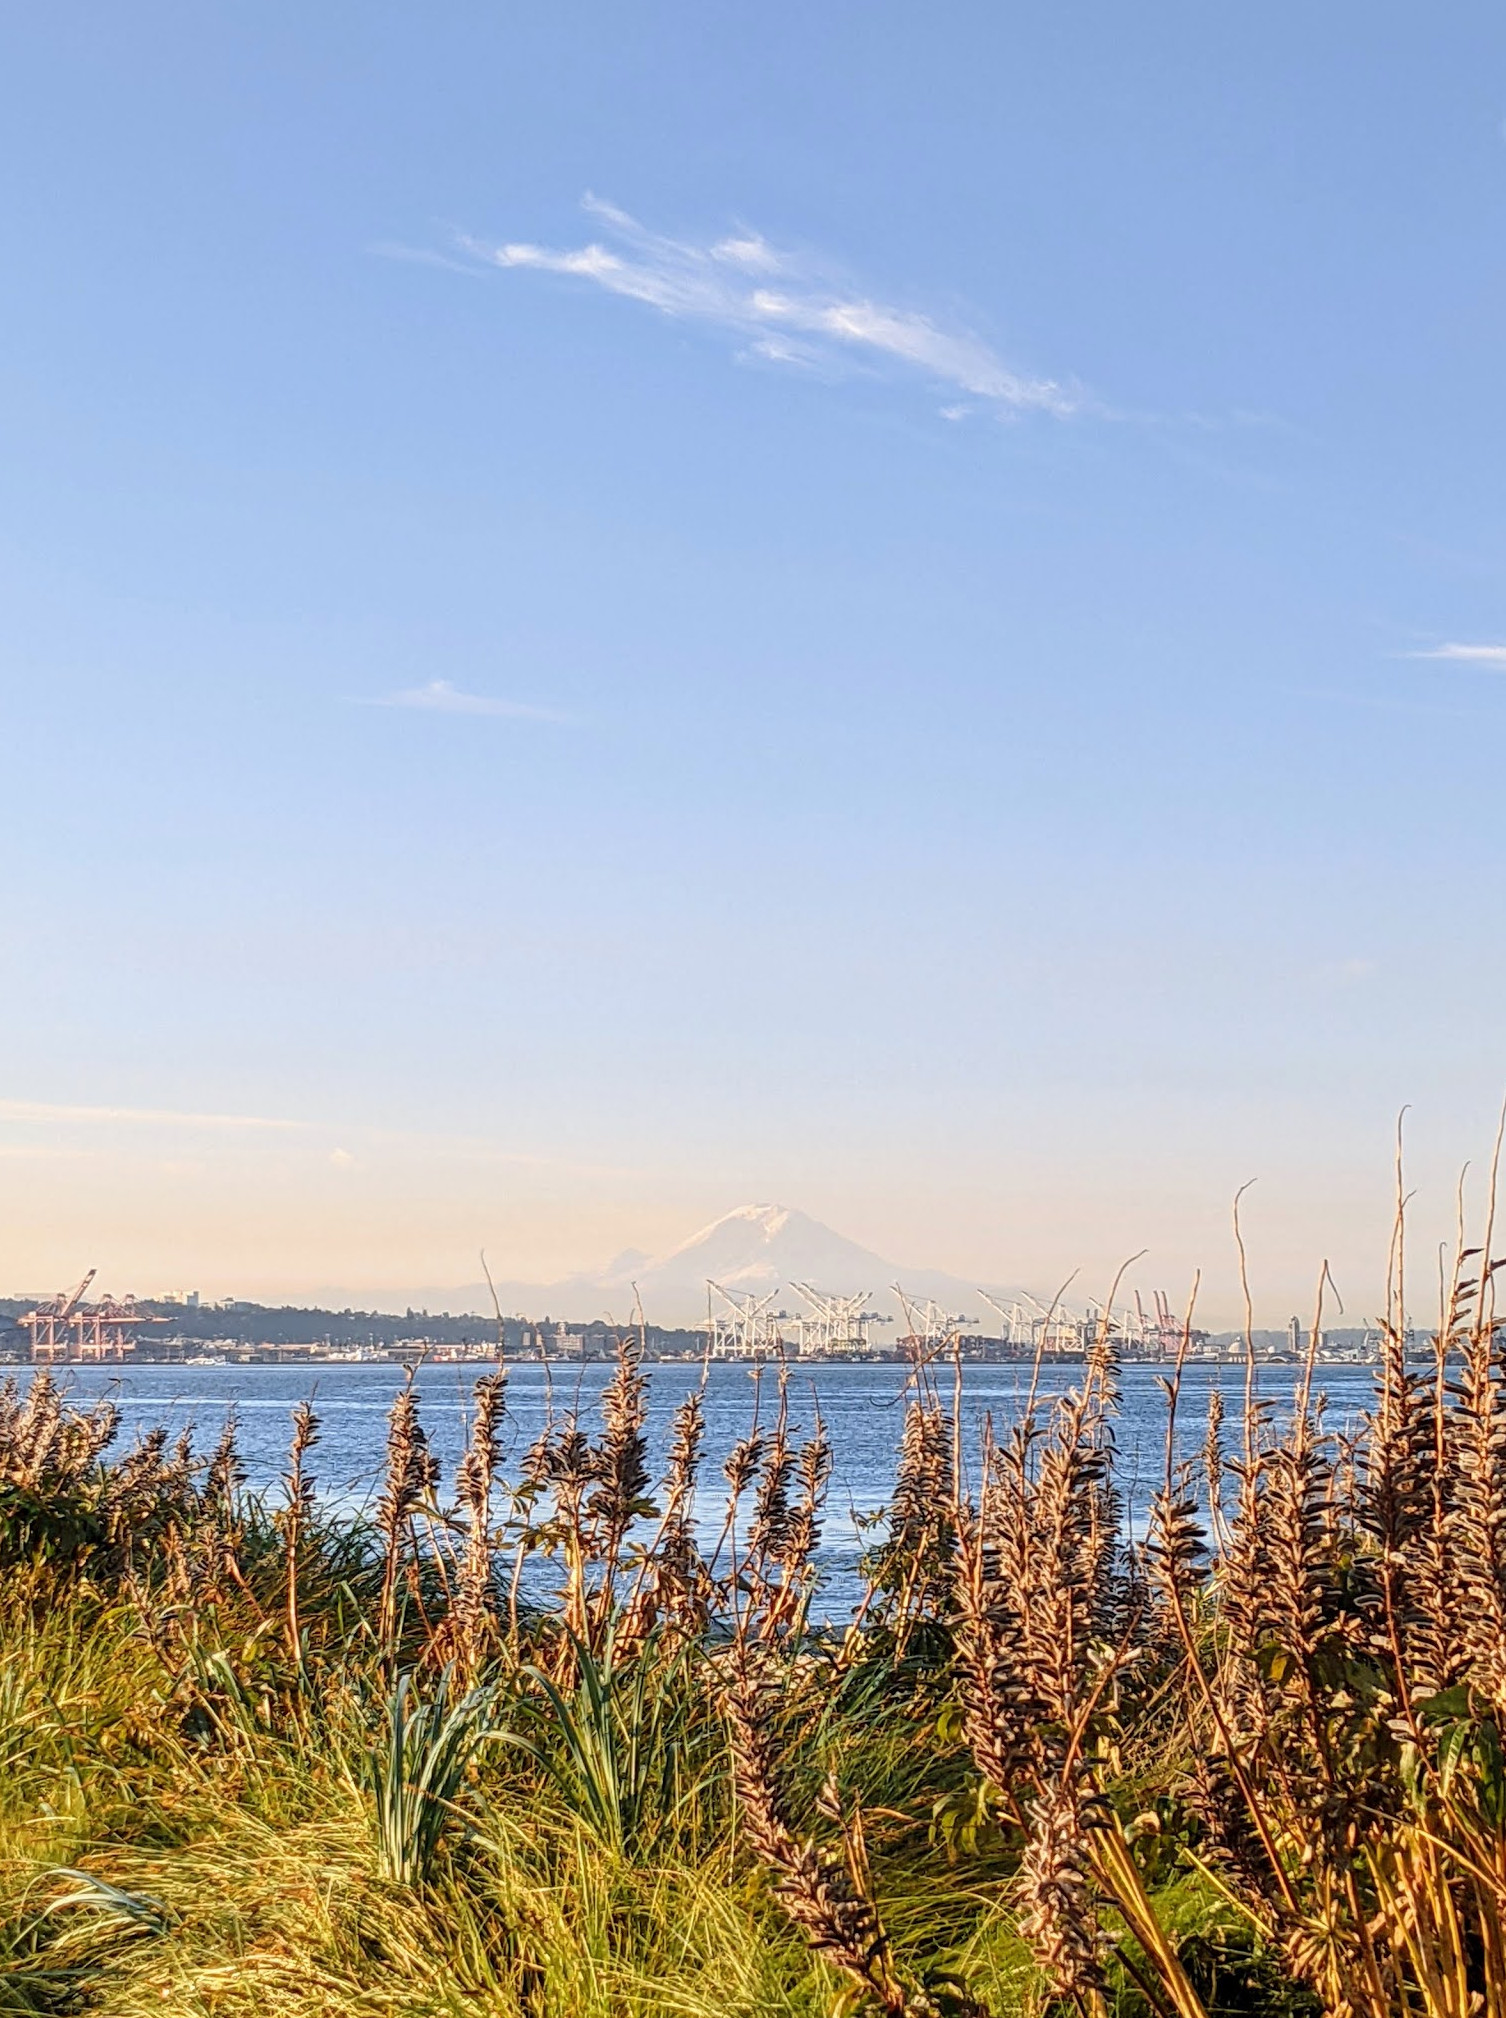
(752, 1249)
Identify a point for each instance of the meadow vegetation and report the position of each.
(540, 1746)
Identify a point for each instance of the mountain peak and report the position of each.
(770, 1220)
(754, 1249)
(765, 1236)
(748, 1251)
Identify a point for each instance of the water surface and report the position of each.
(862, 1406)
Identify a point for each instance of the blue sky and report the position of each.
(612, 611)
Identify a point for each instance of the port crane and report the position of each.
(68, 1328)
(837, 1326)
(929, 1326)
(48, 1322)
(1025, 1320)
(743, 1326)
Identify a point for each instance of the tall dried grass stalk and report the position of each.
(826, 1889)
(411, 1475)
(473, 1628)
(298, 1506)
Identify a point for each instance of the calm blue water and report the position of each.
(863, 1407)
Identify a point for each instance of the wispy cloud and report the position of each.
(441, 698)
(132, 1117)
(1492, 657)
(785, 308)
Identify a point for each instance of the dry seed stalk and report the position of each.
(411, 1475)
(294, 1519)
(827, 1893)
(473, 1622)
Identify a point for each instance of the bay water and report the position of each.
(862, 1406)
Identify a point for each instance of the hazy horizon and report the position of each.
(613, 1287)
(611, 615)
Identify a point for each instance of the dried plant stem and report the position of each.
(300, 1502)
(410, 1479)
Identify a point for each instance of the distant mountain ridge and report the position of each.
(752, 1249)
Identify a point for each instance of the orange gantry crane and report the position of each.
(67, 1328)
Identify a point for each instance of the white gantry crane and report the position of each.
(838, 1326)
(742, 1325)
(927, 1325)
(1030, 1325)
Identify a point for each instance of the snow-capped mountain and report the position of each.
(752, 1249)
(757, 1248)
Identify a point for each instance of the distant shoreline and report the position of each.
(275, 1357)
